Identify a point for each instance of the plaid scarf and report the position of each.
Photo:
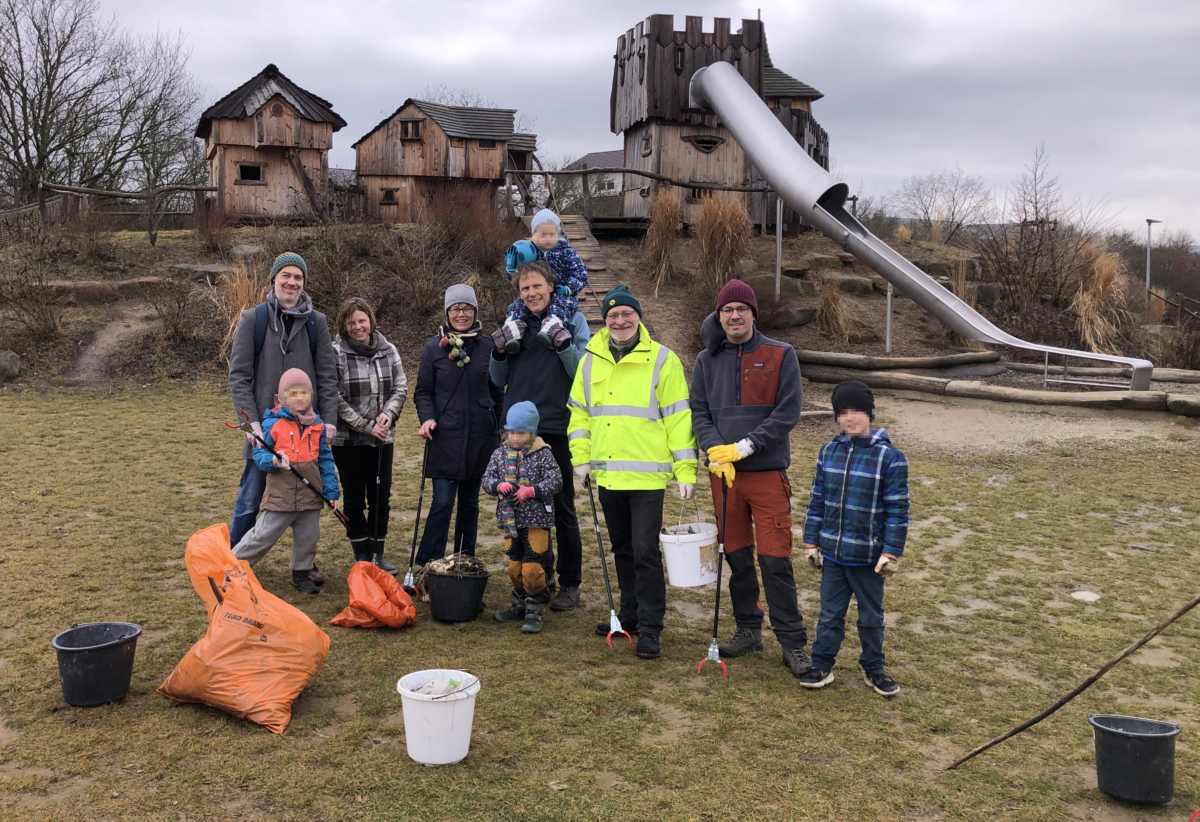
(514, 472)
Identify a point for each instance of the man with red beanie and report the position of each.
(745, 400)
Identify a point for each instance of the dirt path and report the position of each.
(126, 322)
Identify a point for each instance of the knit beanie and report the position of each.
(289, 258)
(523, 416)
(521, 253)
(461, 294)
(544, 216)
(292, 378)
(621, 296)
(853, 395)
(736, 291)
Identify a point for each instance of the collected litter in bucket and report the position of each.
(439, 712)
(690, 551)
(454, 587)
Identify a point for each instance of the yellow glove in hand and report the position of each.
(723, 470)
(724, 453)
(887, 565)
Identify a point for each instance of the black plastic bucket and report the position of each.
(1135, 758)
(95, 661)
(454, 598)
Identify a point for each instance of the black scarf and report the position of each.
(366, 349)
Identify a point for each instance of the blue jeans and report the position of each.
(838, 582)
(437, 526)
(245, 510)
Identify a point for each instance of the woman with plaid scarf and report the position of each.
(371, 388)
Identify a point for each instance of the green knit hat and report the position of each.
(289, 258)
(621, 296)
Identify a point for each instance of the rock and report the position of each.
(83, 292)
(200, 273)
(10, 366)
(852, 285)
(795, 269)
(940, 269)
(1186, 405)
(801, 288)
(245, 250)
(815, 260)
(987, 294)
(791, 317)
(139, 285)
(746, 266)
(764, 287)
(847, 259)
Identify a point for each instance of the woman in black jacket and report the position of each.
(459, 410)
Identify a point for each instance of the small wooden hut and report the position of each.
(267, 144)
(653, 68)
(422, 147)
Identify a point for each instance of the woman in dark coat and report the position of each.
(459, 410)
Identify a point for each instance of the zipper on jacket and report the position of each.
(842, 501)
(739, 375)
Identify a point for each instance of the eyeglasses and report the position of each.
(454, 309)
(729, 310)
(622, 316)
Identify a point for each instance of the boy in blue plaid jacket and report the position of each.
(854, 532)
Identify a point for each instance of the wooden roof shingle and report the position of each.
(249, 97)
(469, 122)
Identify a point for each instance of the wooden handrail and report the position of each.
(123, 195)
(648, 174)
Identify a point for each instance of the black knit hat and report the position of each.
(853, 395)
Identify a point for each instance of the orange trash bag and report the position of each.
(376, 600)
(259, 652)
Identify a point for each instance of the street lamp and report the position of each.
(1148, 224)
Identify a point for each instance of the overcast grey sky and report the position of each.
(1111, 88)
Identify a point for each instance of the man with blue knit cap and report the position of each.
(280, 333)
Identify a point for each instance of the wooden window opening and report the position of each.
(647, 146)
(487, 143)
(250, 174)
(389, 196)
(679, 59)
(410, 129)
(704, 143)
(642, 66)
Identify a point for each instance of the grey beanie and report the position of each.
(461, 294)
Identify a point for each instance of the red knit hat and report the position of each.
(736, 291)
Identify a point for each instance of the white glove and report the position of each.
(887, 565)
(582, 473)
(686, 491)
(813, 554)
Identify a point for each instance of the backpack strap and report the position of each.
(312, 338)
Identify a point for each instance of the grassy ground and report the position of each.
(99, 494)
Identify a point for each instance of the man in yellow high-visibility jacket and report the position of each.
(631, 430)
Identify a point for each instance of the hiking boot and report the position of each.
(797, 661)
(743, 641)
(362, 549)
(377, 550)
(647, 646)
(883, 684)
(566, 599)
(533, 617)
(816, 678)
(515, 610)
(602, 628)
(303, 583)
(316, 576)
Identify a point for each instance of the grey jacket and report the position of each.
(277, 356)
(368, 387)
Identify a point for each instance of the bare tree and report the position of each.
(82, 101)
(951, 198)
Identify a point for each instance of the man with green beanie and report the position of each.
(280, 333)
(631, 431)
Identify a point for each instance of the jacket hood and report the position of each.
(714, 337)
(878, 437)
(537, 445)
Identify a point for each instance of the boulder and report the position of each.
(852, 285)
(987, 294)
(200, 273)
(795, 269)
(940, 269)
(801, 288)
(139, 285)
(815, 260)
(746, 266)
(792, 317)
(245, 250)
(1186, 405)
(10, 366)
(83, 292)
(848, 260)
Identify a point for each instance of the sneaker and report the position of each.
(566, 599)
(533, 617)
(302, 582)
(743, 641)
(816, 678)
(647, 646)
(515, 610)
(883, 684)
(797, 661)
(602, 628)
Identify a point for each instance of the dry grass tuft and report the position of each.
(245, 288)
(723, 228)
(958, 285)
(1158, 305)
(902, 234)
(1099, 304)
(936, 232)
(833, 317)
(658, 247)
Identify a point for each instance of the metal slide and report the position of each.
(815, 194)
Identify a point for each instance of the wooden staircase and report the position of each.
(600, 278)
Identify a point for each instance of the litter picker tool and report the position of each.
(614, 623)
(249, 429)
(714, 654)
(410, 583)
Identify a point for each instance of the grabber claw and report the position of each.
(714, 655)
(614, 628)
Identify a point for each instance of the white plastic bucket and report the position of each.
(439, 709)
(690, 550)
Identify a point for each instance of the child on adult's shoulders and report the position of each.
(854, 532)
(549, 243)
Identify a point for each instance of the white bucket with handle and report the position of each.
(690, 550)
(439, 710)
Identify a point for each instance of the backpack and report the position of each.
(260, 338)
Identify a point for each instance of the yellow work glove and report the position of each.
(887, 565)
(723, 470)
(730, 453)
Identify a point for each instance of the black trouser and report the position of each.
(570, 545)
(634, 519)
(779, 585)
(357, 466)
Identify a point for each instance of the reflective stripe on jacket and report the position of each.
(631, 420)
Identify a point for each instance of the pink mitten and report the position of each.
(524, 492)
(505, 488)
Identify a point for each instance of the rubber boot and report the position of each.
(363, 549)
(515, 610)
(377, 549)
(533, 617)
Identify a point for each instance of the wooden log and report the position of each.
(875, 379)
(1128, 400)
(1179, 375)
(1186, 405)
(124, 195)
(886, 363)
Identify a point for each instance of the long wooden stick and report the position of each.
(1087, 683)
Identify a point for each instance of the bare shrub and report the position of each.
(1156, 308)
(214, 230)
(902, 234)
(1180, 347)
(87, 236)
(243, 288)
(177, 304)
(722, 227)
(1099, 304)
(27, 300)
(946, 201)
(337, 265)
(833, 317)
(936, 232)
(658, 246)
(960, 289)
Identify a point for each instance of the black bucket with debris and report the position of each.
(454, 587)
(1135, 758)
(95, 661)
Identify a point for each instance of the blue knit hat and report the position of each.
(523, 416)
(289, 258)
(521, 253)
(544, 216)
